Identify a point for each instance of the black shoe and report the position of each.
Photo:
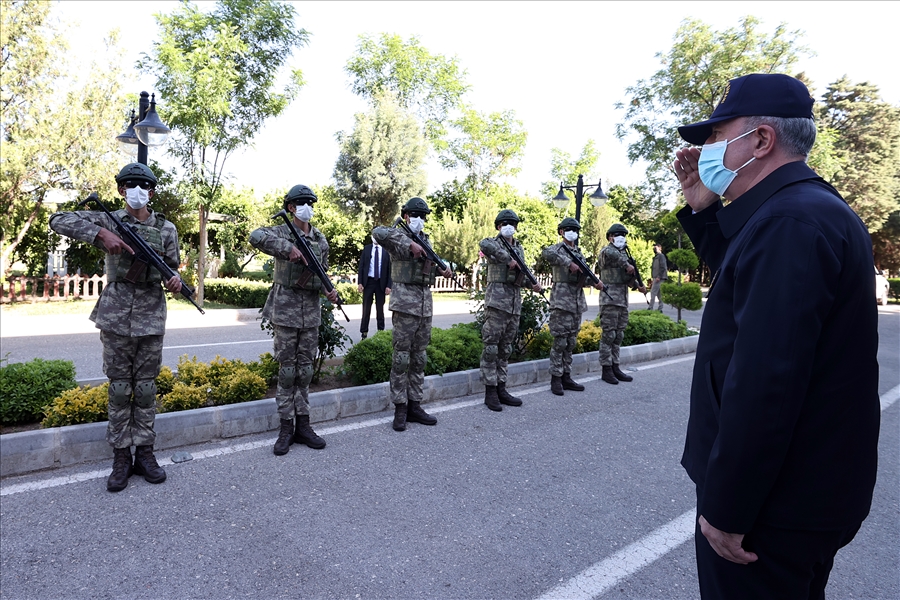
(363, 335)
(304, 434)
(145, 464)
(416, 414)
(608, 376)
(399, 417)
(121, 471)
(620, 375)
(556, 385)
(285, 438)
(570, 384)
(505, 397)
(490, 398)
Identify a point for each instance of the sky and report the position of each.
(561, 66)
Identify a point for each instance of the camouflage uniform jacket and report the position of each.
(126, 309)
(502, 296)
(408, 298)
(611, 258)
(285, 306)
(564, 296)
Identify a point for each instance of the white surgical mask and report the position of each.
(713, 172)
(507, 231)
(137, 197)
(304, 212)
(570, 236)
(619, 241)
(417, 224)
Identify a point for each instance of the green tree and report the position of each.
(428, 85)
(381, 163)
(886, 244)
(456, 239)
(563, 169)
(690, 84)
(682, 295)
(219, 74)
(346, 232)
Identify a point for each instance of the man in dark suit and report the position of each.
(374, 281)
(783, 430)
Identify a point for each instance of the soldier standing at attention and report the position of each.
(567, 304)
(659, 271)
(131, 317)
(411, 311)
(502, 309)
(617, 275)
(294, 311)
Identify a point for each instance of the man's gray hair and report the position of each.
(795, 134)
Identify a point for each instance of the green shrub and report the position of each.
(332, 337)
(369, 361)
(192, 372)
(349, 292)
(894, 290)
(456, 349)
(257, 276)
(267, 367)
(683, 259)
(686, 296)
(240, 386)
(646, 326)
(540, 345)
(236, 292)
(588, 337)
(80, 405)
(185, 397)
(165, 381)
(26, 388)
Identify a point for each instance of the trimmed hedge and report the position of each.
(894, 290)
(349, 292)
(26, 388)
(237, 292)
(646, 326)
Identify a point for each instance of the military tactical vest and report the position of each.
(564, 275)
(612, 274)
(418, 271)
(296, 275)
(501, 273)
(122, 267)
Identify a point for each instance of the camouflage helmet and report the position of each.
(506, 215)
(136, 172)
(616, 229)
(415, 204)
(299, 192)
(569, 222)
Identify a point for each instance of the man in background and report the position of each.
(374, 282)
(659, 272)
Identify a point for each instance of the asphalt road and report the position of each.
(484, 505)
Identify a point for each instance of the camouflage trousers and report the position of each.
(411, 336)
(564, 326)
(613, 320)
(132, 365)
(497, 335)
(294, 352)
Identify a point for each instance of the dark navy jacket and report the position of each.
(785, 412)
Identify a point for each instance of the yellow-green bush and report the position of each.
(81, 405)
(240, 386)
(267, 367)
(588, 337)
(193, 372)
(165, 381)
(185, 397)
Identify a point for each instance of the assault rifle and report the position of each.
(637, 273)
(523, 268)
(312, 263)
(144, 255)
(586, 271)
(429, 251)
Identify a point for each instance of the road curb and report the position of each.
(31, 451)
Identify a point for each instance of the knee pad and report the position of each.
(119, 393)
(507, 351)
(401, 362)
(286, 376)
(608, 337)
(620, 335)
(491, 352)
(305, 376)
(145, 394)
(419, 360)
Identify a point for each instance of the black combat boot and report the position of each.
(570, 384)
(490, 398)
(285, 438)
(416, 414)
(620, 375)
(556, 385)
(304, 434)
(121, 471)
(399, 417)
(145, 464)
(505, 397)
(608, 376)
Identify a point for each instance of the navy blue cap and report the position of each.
(756, 95)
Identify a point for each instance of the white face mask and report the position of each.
(137, 197)
(304, 212)
(570, 236)
(619, 241)
(507, 231)
(417, 224)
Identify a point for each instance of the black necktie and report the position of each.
(377, 264)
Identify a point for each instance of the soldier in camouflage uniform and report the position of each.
(567, 304)
(617, 275)
(411, 311)
(502, 309)
(294, 311)
(131, 317)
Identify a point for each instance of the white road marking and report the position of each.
(268, 341)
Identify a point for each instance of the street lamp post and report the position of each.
(598, 198)
(147, 129)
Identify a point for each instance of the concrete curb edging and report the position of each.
(29, 451)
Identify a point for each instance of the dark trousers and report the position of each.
(792, 564)
(372, 291)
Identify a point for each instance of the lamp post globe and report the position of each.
(147, 129)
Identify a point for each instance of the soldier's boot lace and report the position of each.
(285, 438)
(608, 375)
(570, 384)
(490, 398)
(145, 464)
(556, 385)
(621, 376)
(416, 414)
(304, 434)
(505, 397)
(399, 417)
(121, 471)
